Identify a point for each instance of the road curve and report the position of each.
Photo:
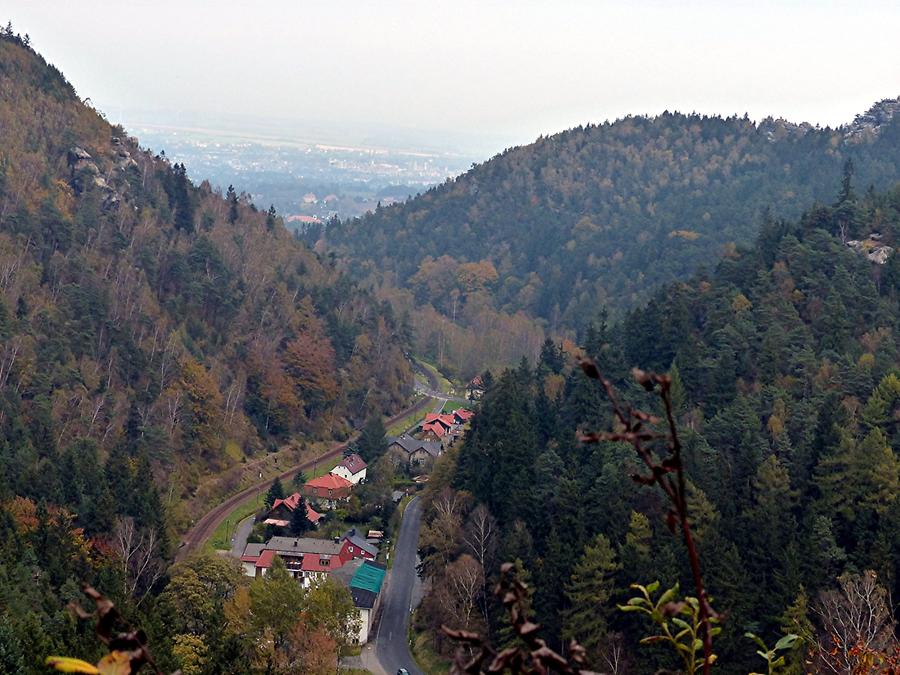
(204, 528)
(392, 641)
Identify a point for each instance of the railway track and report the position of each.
(204, 528)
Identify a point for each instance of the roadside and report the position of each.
(241, 534)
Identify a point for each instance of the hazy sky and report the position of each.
(480, 73)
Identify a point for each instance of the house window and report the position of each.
(351, 549)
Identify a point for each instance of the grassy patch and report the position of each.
(405, 423)
(221, 538)
(315, 472)
(450, 406)
(233, 451)
(444, 384)
(427, 659)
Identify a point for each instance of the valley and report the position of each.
(621, 400)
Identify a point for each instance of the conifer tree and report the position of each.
(372, 442)
(232, 199)
(276, 491)
(299, 522)
(589, 592)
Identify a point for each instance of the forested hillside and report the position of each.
(785, 365)
(152, 332)
(602, 214)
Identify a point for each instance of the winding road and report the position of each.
(204, 528)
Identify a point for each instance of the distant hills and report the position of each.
(598, 216)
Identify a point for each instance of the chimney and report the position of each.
(295, 543)
(337, 540)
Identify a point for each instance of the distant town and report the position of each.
(306, 181)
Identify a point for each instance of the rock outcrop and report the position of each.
(874, 118)
(873, 248)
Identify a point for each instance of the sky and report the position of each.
(476, 75)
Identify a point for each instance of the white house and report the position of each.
(351, 468)
(365, 587)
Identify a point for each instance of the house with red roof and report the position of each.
(463, 416)
(444, 419)
(327, 490)
(306, 558)
(283, 509)
(351, 468)
(433, 431)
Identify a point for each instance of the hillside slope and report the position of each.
(785, 364)
(144, 315)
(599, 216)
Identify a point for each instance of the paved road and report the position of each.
(391, 641)
(241, 533)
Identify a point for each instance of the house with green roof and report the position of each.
(365, 587)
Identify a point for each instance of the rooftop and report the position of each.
(410, 445)
(353, 463)
(298, 545)
(329, 482)
(369, 577)
(354, 538)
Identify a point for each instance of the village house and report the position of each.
(305, 558)
(475, 389)
(328, 490)
(463, 416)
(283, 509)
(418, 454)
(365, 587)
(351, 468)
(444, 428)
(359, 546)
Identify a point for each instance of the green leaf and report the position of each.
(652, 588)
(631, 608)
(787, 642)
(758, 640)
(652, 639)
(667, 596)
(681, 623)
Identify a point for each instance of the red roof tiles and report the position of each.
(329, 482)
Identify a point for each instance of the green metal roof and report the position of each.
(368, 577)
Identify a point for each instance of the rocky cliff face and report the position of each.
(874, 118)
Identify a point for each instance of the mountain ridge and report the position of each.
(598, 216)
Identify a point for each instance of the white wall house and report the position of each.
(351, 468)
